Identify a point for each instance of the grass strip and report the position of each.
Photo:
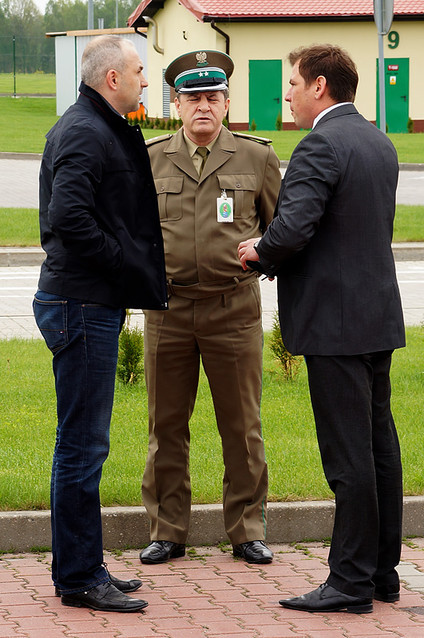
(28, 423)
(19, 226)
(25, 121)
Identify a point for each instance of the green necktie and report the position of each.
(203, 152)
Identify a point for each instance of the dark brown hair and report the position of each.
(333, 63)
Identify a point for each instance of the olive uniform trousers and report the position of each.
(223, 327)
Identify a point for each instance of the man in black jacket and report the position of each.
(100, 229)
(339, 305)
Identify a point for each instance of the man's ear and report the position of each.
(177, 105)
(112, 79)
(320, 87)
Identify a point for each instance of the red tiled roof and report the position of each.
(274, 9)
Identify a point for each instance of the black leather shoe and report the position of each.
(161, 552)
(253, 552)
(326, 598)
(104, 597)
(386, 594)
(125, 586)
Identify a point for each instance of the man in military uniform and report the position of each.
(214, 188)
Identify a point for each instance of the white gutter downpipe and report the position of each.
(153, 22)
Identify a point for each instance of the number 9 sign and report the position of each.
(393, 38)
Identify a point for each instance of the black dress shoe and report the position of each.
(161, 552)
(125, 586)
(253, 552)
(104, 597)
(326, 598)
(386, 594)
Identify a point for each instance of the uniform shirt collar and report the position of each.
(192, 147)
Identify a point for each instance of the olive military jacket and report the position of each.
(198, 248)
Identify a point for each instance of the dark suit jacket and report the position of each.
(330, 242)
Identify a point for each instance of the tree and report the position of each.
(25, 22)
(65, 15)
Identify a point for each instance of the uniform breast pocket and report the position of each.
(242, 189)
(169, 191)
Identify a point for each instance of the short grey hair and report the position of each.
(102, 53)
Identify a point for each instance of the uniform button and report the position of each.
(162, 189)
(238, 185)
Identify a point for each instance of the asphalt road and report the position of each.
(19, 189)
(19, 184)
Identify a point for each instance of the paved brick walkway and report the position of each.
(207, 594)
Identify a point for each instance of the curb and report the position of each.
(128, 527)
(34, 255)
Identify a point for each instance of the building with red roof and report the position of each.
(259, 34)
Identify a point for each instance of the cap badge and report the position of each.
(201, 58)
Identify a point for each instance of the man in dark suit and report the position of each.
(339, 305)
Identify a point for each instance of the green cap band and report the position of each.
(211, 74)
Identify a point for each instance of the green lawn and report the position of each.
(409, 223)
(27, 431)
(19, 226)
(25, 121)
(28, 83)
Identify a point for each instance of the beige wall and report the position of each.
(179, 32)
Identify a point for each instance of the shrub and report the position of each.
(289, 363)
(253, 125)
(130, 367)
(279, 122)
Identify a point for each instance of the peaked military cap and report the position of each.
(200, 71)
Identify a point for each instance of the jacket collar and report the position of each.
(346, 109)
(101, 105)
(222, 150)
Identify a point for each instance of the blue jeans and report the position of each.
(83, 338)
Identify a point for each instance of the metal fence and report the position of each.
(21, 54)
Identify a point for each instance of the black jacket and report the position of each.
(330, 242)
(99, 219)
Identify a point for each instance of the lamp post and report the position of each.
(14, 64)
(383, 16)
(90, 15)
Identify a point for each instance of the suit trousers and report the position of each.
(225, 332)
(361, 459)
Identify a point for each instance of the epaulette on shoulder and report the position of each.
(253, 138)
(159, 138)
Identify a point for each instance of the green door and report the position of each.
(396, 74)
(265, 84)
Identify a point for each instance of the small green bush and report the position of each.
(253, 125)
(130, 367)
(279, 122)
(289, 363)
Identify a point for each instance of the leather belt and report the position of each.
(202, 290)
